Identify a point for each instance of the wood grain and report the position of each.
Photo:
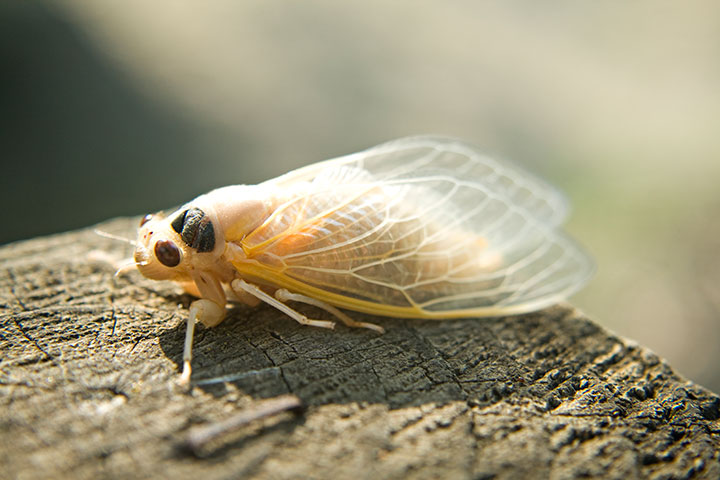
(89, 362)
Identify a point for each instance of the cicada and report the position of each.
(420, 227)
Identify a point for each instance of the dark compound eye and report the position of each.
(195, 229)
(167, 253)
(179, 221)
(146, 219)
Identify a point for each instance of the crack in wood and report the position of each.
(464, 398)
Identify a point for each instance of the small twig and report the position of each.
(199, 437)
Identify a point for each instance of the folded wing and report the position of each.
(419, 227)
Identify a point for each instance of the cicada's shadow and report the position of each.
(264, 354)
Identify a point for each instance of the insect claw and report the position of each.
(184, 378)
(369, 326)
(284, 295)
(318, 323)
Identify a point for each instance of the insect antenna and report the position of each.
(126, 265)
(115, 237)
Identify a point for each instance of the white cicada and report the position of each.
(419, 227)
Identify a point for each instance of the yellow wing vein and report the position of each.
(364, 306)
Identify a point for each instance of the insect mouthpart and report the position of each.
(141, 254)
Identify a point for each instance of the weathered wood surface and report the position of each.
(89, 362)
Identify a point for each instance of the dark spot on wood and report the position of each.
(711, 409)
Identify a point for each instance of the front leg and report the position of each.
(209, 309)
(210, 314)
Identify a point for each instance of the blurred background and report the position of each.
(123, 108)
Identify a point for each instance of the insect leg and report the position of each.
(284, 295)
(241, 285)
(184, 379)
(206, 311)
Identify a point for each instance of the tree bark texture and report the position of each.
(89, 363)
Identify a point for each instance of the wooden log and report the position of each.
(89, 362)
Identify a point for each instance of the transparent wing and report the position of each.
(426, 156)
(420, 227)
